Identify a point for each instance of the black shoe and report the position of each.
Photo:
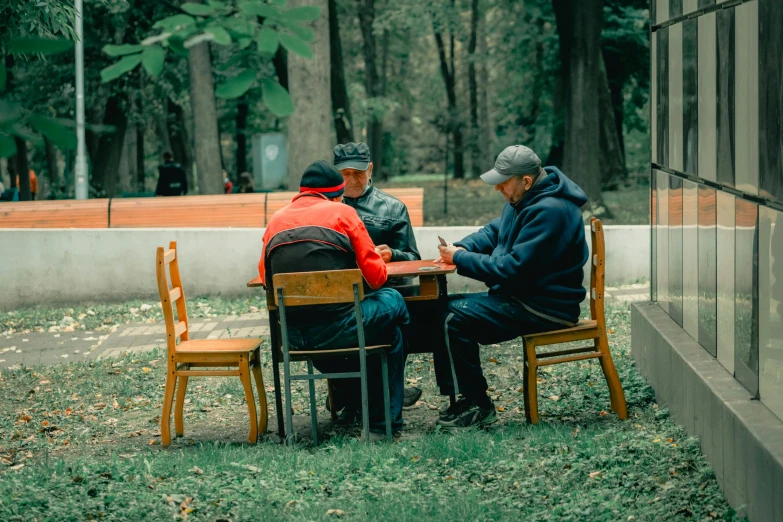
(453, 409)
(329, 405)
(411, 396)
(349, 415)
(474, 415)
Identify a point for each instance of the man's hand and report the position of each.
(447, 254)
(385, 252)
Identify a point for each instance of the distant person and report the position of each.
(33, 184)
(245, 183)
(228, 187)
(172, 180)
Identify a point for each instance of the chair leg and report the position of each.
(330, 391)
(365, 404)
(244, 376)
(612, 380)
(182, 386)
(531, 390)
(168, 400)
(263, 414)
(289, 409)
(313, 414)
(386, 400)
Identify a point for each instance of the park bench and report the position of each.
(216, 211)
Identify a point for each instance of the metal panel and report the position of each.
(675, 98)
(725, 96)
(708, 258)
(725, 268)
(707, 69)
(675, 249)
(690, 96)
(662, 239)
(771, 99)
(746, 80)
(690, 259)
(661, 11)
(654, 98)
(771, 310)
(746, 345)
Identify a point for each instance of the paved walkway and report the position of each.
(20, 350)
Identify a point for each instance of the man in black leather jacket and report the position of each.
(385, 217)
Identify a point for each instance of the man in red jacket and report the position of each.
(315, 233)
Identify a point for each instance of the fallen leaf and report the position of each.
(145, 370)
(290, 503)
(610, 331)
(336, 512)
(501, 408)
(153, 442)
(521, 390)
(595, 474)
(493, 360)
(196, 470)
(185, 503)
(554, 397)
(603, 413)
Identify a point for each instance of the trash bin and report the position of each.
(270, 161)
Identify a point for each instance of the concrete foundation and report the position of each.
(740, 437)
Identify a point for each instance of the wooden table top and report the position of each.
(398, 269)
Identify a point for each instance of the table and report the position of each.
(432, 286)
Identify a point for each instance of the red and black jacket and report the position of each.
(312, 234)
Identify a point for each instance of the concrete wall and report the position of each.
(740, 437)
(71, 266)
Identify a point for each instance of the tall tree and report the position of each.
(449, 79)
(110, 144)
(241, 137)
(51, 163)
(179, 140)
(580, 53)
(475, 151)
(205, 126)
(341, 106)
(310, 130)
(372, 81)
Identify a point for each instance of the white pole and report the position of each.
(81, 153)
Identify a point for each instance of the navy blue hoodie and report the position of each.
(535, 250)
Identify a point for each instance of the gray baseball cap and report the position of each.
(513, 161)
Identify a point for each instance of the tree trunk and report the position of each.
(613, 166)
(107, 157)
(310, 130)
(51, 164)
(22, 169)
(372, 83)
(451, 94)
(341, 107)
(580, 43)
(241, 138)
(180, 143)
(486, 125)
(475, 152)
(205, 126)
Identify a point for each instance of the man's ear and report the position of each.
(369, 169)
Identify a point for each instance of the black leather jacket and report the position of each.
(386, 219)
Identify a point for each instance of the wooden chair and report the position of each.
(237, 357)
(593, 329)
(322, 288)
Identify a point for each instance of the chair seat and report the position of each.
(583, 330)
(223, 346)
(325, 354)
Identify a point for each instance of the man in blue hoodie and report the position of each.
(531, 258)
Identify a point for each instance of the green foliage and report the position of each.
(15, 119)
(247, 27)
(236, 86)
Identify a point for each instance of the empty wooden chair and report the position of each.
(188, 358)
(322, 288)
(593, 330)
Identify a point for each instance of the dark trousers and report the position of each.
(426, 334)
(475, 319)
(384, 312)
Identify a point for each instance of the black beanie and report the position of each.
(322, 178)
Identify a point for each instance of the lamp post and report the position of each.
(81, 154)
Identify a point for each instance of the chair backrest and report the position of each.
(597, 272)
(318, 288)
(171, 293)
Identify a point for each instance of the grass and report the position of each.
(473, 202)
(81, 441)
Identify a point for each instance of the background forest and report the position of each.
(433, 87)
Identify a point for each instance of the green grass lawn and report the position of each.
(473, 202)
(81, 441)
